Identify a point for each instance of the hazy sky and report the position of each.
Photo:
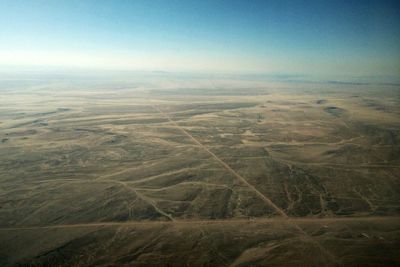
(312, 37)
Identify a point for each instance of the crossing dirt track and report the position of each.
(191, 174)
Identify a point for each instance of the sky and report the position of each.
(360, 38)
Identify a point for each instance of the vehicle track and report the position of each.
(212, 222)
(226, 166)
(267, 201)
(146, 199)
(200, 183)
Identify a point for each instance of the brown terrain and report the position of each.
(256, 174)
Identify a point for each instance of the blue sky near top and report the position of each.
(311, 37)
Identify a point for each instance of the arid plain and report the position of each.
(256, 174)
